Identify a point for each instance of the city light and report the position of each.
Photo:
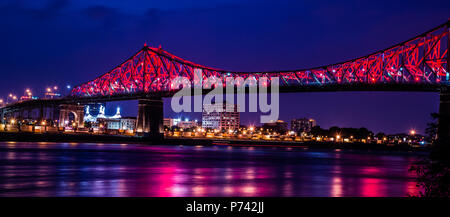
(12, 121)
(68, 86)
(43, 123)
(412, 132)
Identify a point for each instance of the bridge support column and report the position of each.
(78, 112)
(150, 118)
(444, 115)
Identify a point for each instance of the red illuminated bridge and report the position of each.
(420, 64)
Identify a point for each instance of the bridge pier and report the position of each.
(150, 118)
(444, 115)
(76, 109)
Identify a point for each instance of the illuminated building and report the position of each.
(168, 122)
(187, 124)
(94, 108)
(277, 126)
(302, 125)
(126, 123)
(220, 116)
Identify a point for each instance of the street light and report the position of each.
(412, 132)
(45, 126)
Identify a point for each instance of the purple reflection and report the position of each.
(78, 169)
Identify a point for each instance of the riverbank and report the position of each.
(93, 138)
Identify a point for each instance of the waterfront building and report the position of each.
(126, 123)
(278, 126)
(187, 124)
(302, 125)
(112, 124)
(168, 122)
(221, 116)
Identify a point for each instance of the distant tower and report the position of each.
(88, 117)
(117, 115)
(101, 113)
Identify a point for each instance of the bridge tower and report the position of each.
(150, 118)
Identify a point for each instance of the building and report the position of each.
(302, 125)
(187, 124)
(221, 116)
(112, 124)
(128, 123)
(278, 126)
(168, 122)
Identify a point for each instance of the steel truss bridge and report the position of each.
(417, 64)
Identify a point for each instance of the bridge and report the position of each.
(417, 64)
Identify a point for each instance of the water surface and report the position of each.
(121, 170)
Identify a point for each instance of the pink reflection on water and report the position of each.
(228, 190)
(336, 187)
(198, 191)
(166, 185)
(371, 171)
(288, 189)
(412, 189)
(248, 190)
(372, 187)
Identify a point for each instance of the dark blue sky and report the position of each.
(70, 41)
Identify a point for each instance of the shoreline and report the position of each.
(52, 137)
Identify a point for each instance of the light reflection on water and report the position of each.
(73, 169)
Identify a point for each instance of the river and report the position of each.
(120, 170)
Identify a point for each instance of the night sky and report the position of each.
(61, 42)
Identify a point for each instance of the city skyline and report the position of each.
(219, 104)
(346, 38)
